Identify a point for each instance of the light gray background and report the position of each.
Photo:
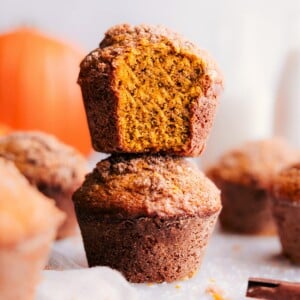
(249, 38)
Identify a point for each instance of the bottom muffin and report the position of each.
(286, 210)
(149, 217)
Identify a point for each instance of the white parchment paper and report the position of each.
(229, 262)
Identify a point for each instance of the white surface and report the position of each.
(229, 262)
(91, 284)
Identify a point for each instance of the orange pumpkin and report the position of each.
(4, 129)
(38, 89)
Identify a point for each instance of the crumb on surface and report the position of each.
(236, 248)
(216, 292)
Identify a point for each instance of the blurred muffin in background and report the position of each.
(285, 193)
(54, 168)
(28, 225)
(244, 176)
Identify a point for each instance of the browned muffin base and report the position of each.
(287, 216)
(245, 210)
(147, 249)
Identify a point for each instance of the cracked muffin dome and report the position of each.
(148, 216)
(147, 185)
(146, 89)
(54, 168)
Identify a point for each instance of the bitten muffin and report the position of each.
(146, 89)
(147, 216)
(28, 224)
(286, 209)
(54, 168)
(244, 176)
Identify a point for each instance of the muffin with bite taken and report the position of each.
(148, 90)
(54, 168)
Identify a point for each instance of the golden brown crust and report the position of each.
(254, 163)
(24, 212)
(286, 185)
(147, 185)
(97, 81)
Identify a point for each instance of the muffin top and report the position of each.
(147, 185)
(44, 160)
(254, 163)
(286, 184)
(24, 212)
(118, 39)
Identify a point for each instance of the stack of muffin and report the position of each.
(150, 98)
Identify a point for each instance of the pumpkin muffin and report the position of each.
(286, 209)
(54, 168)
(146, 89)
(147, 216)
(244, 176)
(28, 224)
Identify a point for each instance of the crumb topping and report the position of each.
(148, 185)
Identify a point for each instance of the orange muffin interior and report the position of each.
(157, 86)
